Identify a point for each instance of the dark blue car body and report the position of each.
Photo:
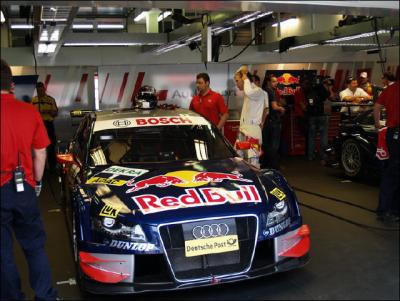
(149, 226)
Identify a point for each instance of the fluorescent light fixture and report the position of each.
(107, 44)
(140, 16)
(358, 36)
(46, 48)
(303, 46)
(55, 20)
(245, 17)
(55, 36)
(82, 26)
(360, 44)
(164, 15)
(257, 17)
(221, 30)
(194, 37)
(2, 17)
(289, 22)
(110, 26)
(21, 26)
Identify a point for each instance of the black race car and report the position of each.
(354, 148)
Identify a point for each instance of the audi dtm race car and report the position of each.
(159, 200)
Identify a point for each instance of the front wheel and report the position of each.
(351, 158)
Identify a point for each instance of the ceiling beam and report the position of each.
(363, 8)
(122, 37)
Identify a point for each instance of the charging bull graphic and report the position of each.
(159, 181)
(198, 179)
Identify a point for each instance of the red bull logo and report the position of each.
(149, 203)
(184, 178)
(288, 79)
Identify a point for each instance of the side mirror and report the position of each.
(243, 145)
(65, 158)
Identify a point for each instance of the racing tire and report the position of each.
(351, 158)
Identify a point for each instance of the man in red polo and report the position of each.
(23, 155)
(389, 191)
(208, 103)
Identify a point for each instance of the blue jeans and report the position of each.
(20, 214)
(320, 124)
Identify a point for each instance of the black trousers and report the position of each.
(51, 149)
(389, 192)
(271, 143)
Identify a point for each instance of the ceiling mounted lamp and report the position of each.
(288, 22)
(47, 48)
(2, 18)
(110, 26)
(358, 36)
(141, 16)
(22, 26)
(164, 15)
(82, 26)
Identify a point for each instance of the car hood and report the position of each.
(161, 193)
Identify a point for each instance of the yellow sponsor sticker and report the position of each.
(98, 180)
(109, 211)
(278, 193)
(212, 245)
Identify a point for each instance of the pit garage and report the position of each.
(146, 196)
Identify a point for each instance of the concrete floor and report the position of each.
(348, 261)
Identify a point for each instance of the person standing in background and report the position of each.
(208, 103)
(252, 114)
(23, 155)
(353, 94)
(389, 191)
(273, 126)
(47, 107)
(257, 82)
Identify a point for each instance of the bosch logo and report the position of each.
(121, 123)
(208, 231)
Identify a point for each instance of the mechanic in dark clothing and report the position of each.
(317, 118)
(389, 192)
(272, 128)
(23, 147)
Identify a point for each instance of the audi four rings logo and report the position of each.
(121, 123)
(208, 231)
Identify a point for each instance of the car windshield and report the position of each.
(158, 144)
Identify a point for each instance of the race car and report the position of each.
(354, 148)
(159, 200)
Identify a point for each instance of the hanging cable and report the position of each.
(382, 62)
(243, 50)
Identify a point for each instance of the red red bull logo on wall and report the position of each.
(289, 80)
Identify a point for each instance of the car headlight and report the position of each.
(114, 229)
(279, 214)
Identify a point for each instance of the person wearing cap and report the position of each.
(47, 107)
(353, 94)
(209, 103)
(23, 155)
(251, 119)
(389, 191)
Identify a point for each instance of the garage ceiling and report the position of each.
(52, 24)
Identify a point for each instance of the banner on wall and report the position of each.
(289, 80)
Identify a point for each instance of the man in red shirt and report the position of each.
(389, 191)
(208, 103)
(23, 136)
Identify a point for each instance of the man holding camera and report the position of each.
(23, 154)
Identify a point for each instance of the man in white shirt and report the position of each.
(251, 119)
(353, 94)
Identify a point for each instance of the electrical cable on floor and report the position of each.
(347, 220)
(334, 199)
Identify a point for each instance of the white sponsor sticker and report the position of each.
(149, 121)
(133, 246)
(125, 171)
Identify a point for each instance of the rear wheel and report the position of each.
(351, 158)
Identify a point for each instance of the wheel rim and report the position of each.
(351, 158)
